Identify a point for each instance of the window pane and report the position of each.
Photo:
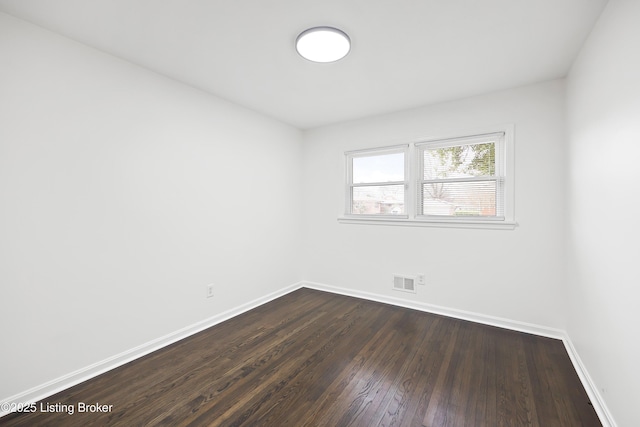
(378, 200)
(460, 161)
(380, 168)
(477, 198)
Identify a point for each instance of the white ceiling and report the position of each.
(405, 53)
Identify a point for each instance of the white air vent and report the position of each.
(404, 283)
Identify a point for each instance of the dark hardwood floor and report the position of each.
(312, 358)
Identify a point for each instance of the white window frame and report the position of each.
(350, 155)
(498, 176)
(505, 161)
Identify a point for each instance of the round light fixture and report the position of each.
(323, 44)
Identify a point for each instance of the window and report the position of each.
(461, 178)
(377, 180)
(454, 181)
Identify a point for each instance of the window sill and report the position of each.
(405, 222)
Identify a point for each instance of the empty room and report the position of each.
(319, 213)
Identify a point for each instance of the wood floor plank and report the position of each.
(341, 368)
(401, 405)
(304, 377)
(365, 361)
(277, 365)
(437, 410)
(312, 358)
(373, 394)
(352, 404)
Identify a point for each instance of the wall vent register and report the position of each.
(404, 283)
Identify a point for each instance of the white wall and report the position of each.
(604, 190)
(123, 193)
(512, 274)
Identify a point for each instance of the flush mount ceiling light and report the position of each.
(323, 44)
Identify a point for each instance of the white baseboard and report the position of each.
(444, 311)
(52, 387)
(606, 418)
(62, 383)
(592, 391)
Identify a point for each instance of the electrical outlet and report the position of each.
(420, 279)
(209, 291)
